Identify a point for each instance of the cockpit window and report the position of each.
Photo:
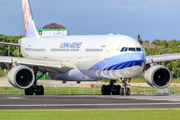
(132, 49)
(138, 49)
(122, 49)
(125, 49)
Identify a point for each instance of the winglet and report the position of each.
(30, 29)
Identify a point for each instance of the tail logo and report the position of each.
(27, 14)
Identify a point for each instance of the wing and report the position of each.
(11, 44)
(56, 66)
(162, 58)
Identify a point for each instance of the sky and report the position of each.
(152, 19)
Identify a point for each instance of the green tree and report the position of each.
(4, 48)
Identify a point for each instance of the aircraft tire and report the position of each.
(103, 90)
(108, 89)
(122, 91)
(40, 90)
(118, 87)
(115, 90)
(29, 91)
(127, 91)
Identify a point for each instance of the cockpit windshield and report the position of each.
(125, 49)
(122, 49)
(138, 49)
(132, 49)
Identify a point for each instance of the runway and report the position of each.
(88, 102)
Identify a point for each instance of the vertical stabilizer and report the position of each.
(30, 29)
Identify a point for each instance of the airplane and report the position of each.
(83, 58)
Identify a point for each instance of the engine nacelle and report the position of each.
(158, 76)
(21, 77)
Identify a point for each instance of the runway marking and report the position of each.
(172, 98)
(14, 98)
(63, 105)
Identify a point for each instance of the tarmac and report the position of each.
(22, 102)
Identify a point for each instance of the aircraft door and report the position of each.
(46, 54)
(108, 50)
(80, 54)
(47, 50)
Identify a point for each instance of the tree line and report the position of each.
(156, 47)
(9, 51)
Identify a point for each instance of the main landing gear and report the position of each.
(38, 90)
(116, 89)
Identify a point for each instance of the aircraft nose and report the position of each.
(137, 56)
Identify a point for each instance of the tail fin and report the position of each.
(30, 29)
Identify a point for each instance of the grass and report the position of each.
(85, 90)
(54, 91)
(93, 114)
(138, 80)
(142, 80)
(3, 73)
(133, 80)
(175, 81)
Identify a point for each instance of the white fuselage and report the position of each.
(94, 57)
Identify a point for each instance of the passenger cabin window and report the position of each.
(132, 49)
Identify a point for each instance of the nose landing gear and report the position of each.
(116, 89)
(125, 90)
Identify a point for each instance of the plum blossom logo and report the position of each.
(27, 14)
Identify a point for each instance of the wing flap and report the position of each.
(58, 66)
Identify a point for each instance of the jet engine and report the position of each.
(21, 77)
(158, 76)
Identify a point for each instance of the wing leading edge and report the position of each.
(11, 44)
(162, 58)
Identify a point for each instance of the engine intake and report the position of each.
(21, 77)
(158, 76)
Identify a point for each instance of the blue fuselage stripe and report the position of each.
(120, 62)
(125, 65)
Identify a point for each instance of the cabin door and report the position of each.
(47, 51)
(108, 50)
